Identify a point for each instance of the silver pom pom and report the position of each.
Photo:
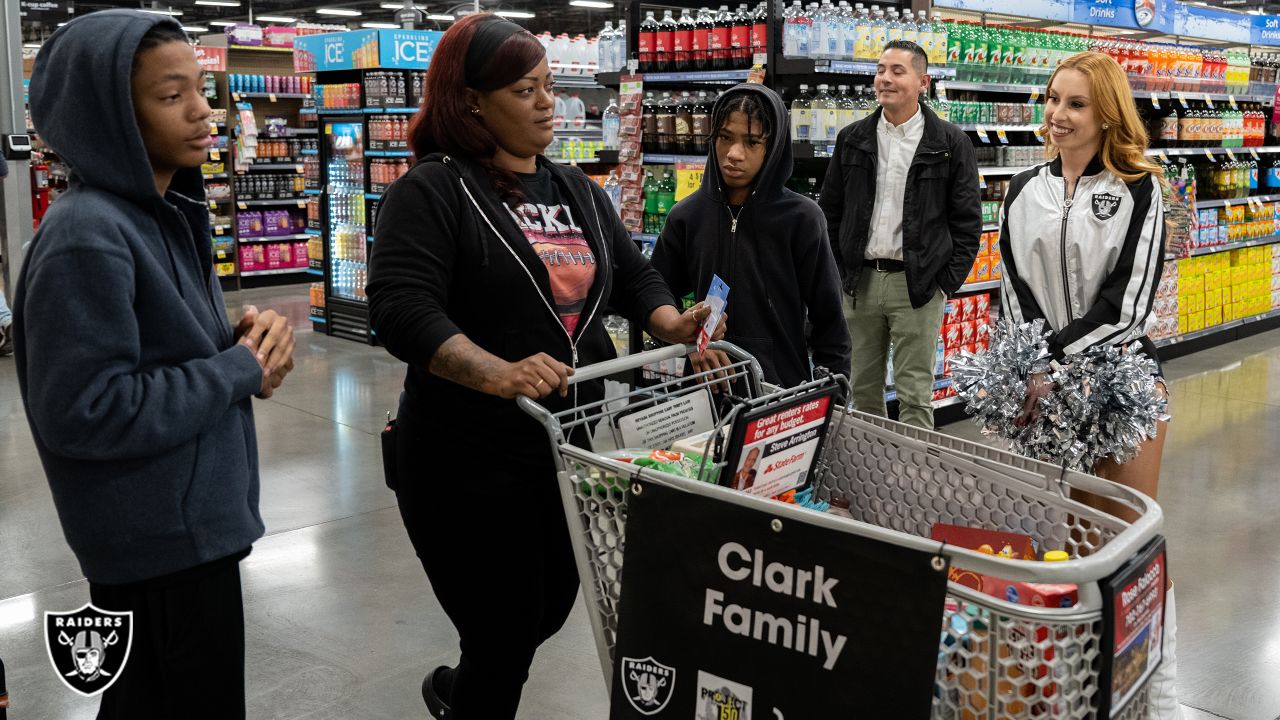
(1104, 401)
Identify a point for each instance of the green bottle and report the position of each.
(666, 200)
(650, 202)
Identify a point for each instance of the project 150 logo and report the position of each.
(88, 647)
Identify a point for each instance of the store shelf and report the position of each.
(574, 161)
(310, 231)
(1214, 249)
(997, 128)
(312, 192)
(947, 402)
(1140, 93)
(388, 153)
(809, 151)
(578, 132)
(391, 111)
(1012, 88)
(372, 196)
(310, 152)
(299, 132)
(809, 66)
(609, 157)
(278, 96)
(278, 271)
(261, 48)
(315, 319)
(1173, 152)
(709, 76)
(1202, 204)
(994, 171)
(297, 167)
(276, 238)
(938, 384)
(216, 176)
(1165, 342)
(340, 111)
(644, 237)
(990, 227)
(980, 286)
(316, 271)
(583, 82)
(658, 159)
(269, 203)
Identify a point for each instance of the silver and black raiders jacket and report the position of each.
(1088, 265)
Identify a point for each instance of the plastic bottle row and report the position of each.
(384, 172)
(393, 128)
(393, 89)
(1220, 127)
(819, 117)
(268, 186)
(838, 32)
(349, 278)
(611, 48)
(340, 96)
(347, 210)
(659, 197)
(579, 55)
(721, 40)
(677, 124)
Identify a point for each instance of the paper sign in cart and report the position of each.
(773, 449)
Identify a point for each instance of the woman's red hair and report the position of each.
(444, 123)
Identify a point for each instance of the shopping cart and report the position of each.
(996, 659)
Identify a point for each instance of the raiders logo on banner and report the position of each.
(1105, 205)
(88, 647)
(765, 617)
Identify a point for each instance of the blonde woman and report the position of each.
(1082, 241)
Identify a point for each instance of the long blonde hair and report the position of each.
(1124, 142)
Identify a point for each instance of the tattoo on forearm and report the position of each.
(465, 363)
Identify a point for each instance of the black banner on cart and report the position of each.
(725, 616)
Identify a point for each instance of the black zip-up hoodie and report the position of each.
(450, 259)
(776, 260)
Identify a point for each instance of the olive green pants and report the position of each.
(880, 315)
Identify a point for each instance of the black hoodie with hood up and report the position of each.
(777, 261)
(138, 396)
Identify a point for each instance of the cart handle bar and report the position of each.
(670, 352)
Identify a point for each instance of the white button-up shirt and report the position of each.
(896, 145)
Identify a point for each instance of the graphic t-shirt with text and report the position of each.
(547, 221)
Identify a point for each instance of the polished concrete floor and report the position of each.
(341, 622)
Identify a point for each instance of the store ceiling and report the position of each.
(555, 15)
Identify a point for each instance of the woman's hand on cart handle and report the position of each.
(462, 361)
(681, 328)
(1038, 387)
(712, 360)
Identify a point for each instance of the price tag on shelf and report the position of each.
(235, 97)
(1035, 95)
(1231, 155)
(1232, 99)
(302, 204)
(1004, 138)
(942, 91)
(1039, 137)
(982, 182)
(272, 97)
(215, 154)
(1164, 158)
(213, 128)
(1254, 153)
(242, 206)
(1209, 154)
(982, 134)
(1227, 204)
(217, 230)
(1155, 101)
(1208, 100)
(1182, 98)
(298, 168)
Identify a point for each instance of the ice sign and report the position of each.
(334, 52)
(411, 49)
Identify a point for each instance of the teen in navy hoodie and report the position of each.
(766, 242)
(136, 386)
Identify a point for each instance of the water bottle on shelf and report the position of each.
(801, 116)
(791, 20)
(611, 122)
(613, 188)
(604, 48)
(620, 47)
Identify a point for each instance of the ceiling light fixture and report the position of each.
(399, 6)
(380, 25)
(344, 12)
(30, 45)
(518, 14)
(171, 13)
(195, 28)
(598, 4)
(441, 18)
(219, 3)
(221, 23)
(278, 18)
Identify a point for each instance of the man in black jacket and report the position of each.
(903, 215)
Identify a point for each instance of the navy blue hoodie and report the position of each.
(137, 394)
(777, 261)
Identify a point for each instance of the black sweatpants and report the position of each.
(187, 657)
(492, 537)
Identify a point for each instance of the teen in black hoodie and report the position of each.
(767, 243)
(489, 278)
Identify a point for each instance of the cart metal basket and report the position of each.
(996, 660)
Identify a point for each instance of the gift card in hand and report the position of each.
(717, 298)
